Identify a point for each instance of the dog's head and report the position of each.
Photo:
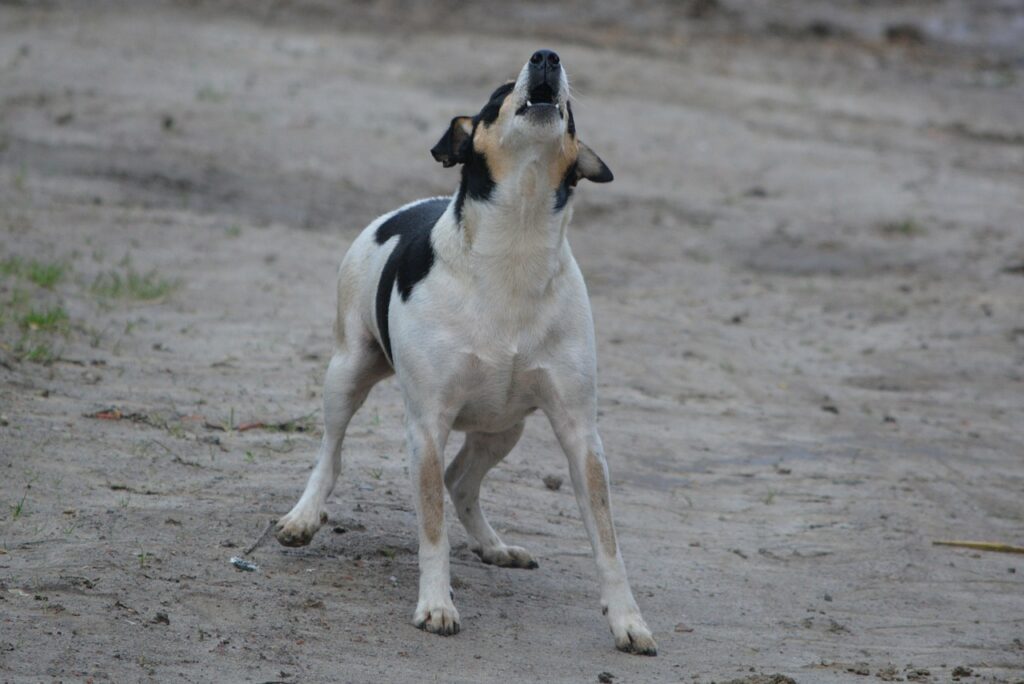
(529, 118)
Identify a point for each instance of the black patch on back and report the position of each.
(411, 259)
(564, 190)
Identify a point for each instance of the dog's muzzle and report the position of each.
(544, 84)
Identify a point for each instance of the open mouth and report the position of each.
(540, 97)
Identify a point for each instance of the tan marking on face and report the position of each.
(487, 141)
(566, 157)
(597, 489)
(431, 495)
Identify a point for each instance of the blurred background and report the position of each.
(808, 285)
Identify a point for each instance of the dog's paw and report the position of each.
(298, 528)
(437, 618)
(507, 557)
(632, 634)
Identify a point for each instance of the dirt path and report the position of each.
(808, 280)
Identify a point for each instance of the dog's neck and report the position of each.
(515, 238)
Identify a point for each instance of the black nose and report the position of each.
(548, 58)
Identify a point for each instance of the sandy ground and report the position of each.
(808, 283)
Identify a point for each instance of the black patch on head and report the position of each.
(489, 113)
(564, 190)
(411, 259)
(477, 182)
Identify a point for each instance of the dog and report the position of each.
(476, 304)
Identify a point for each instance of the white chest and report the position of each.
(496, 392)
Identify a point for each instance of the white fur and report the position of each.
(500, 327)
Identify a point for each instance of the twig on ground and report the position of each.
(262, 538)
(980, 545)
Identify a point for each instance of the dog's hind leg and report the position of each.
(479, 454)
(354, 369)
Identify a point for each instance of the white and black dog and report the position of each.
(476, 304)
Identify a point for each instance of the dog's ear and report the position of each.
(452, 148)
(590, 166)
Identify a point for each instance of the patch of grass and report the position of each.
(18, 509)
(36, 326)
(130, 284)
(38, 353)
(49, 320)
(42, 273)
(12, 265)
(907, 227)
(45, 274)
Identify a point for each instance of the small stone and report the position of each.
(682, 627)
(605, 677)
(554, 483)
(161, 619)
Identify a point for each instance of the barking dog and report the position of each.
(476, 304)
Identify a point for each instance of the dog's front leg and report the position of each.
(435, 611)
(577, 433)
